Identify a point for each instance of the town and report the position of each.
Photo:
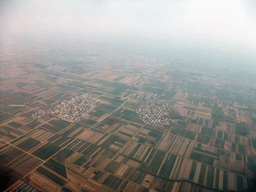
(75, 109)
(156, 112)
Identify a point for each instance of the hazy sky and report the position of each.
(223, 24)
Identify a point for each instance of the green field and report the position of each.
(168, 165)
(51, 176)
(113, 182)
(154, 90)
(97, 113)
(56, 167)
(9, 155)
(33, 124)
(71, 130)
(46, 151)
(28, 144)
(4, 116)
(15, 125)
(107, 108)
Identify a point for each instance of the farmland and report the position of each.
(110, 127)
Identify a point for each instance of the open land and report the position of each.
(122, 122)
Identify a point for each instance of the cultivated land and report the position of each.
(74, 121)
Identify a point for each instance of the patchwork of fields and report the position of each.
(206, 140)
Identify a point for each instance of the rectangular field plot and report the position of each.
(113, 101)
(33, 124)
(110, 124)
(107, 83)
(153, 90)
(14, 124)
(81, 160)
(156, 134)
(112, 167)
(131, 105)
(3, 145)
(56, 167)
(56, 125)
(51, 176)
(41, 135)
(202, 174)
(4, 116)
(88, 122)
(46, 151)
(18, 139)
(156, 161)
(97, 113)
(70, 131)
(28, 144)
(166, 185)
(167, 167)
(13, 109)
(103, 158)
(126, 114)
(204, 139)
(124, 133)
(202, 158)
(62, 155)
(59, 123)
(62, 141)
(150, 136)
(9, 154)
(25, 164)
(91, 136)
(113, 142)
(127, 131)
(207, 131)
(88, 149)
(119, 90)
(137, 151)
(210, 177)
(192, 171)
(76, 145)
(54, 138)
(106, 108)
(7, 133)
(113, 182)
(136, 176)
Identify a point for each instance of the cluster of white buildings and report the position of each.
(156, 112)
(38, 115)
(75, 109)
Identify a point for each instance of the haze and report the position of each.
(213, 32)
